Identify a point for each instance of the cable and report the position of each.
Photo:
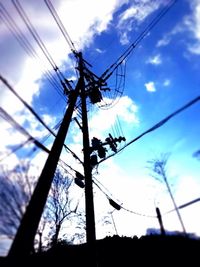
(139, 214)
(35, 114)
(18, 127)
(145, 32)
(184, 205)
(13, 151)
(10, 120)
(26, 45)
(61, 26)
(156, 126)
(41, 44)
(128, 210)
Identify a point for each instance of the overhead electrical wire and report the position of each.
(110, 197)
(156, 126)
(144, 33)
(61, 26)
(41, 44)
(26, 45)
(18, 147)
(18, 127)
(10, 120)
(183, 205)
(115, 67)
(8, 86)
(24, 132)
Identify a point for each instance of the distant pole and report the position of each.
(174, 203)
(114, 221)
(89, 203)
(24, 239)
(162, 229)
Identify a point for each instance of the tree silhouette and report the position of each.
(158, 167)
(60, 206)
(16, 187)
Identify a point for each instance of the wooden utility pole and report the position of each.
(24, 239)
(162, 229)
(89, 203)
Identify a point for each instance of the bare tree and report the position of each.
(16, 187)
(158, 166)
(60, 206)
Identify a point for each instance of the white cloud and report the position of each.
(101, 121)
(156, 60)
(93, 18)
(193, 24)
(190, 23)
(135, 14)
(150, 87)
(166, 82)
(164, 41)
(100, 51)
(82, 19)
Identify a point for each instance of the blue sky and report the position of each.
(162, 74)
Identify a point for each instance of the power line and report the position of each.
(61, 26)
(26, 45)
(109, 196)
(38, 144)
(156, 126)
(65, 83)
(144, 33)
(184, 205)
(9, 119)
(18, 147)
(34, 113)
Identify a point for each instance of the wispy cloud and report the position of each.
(150, 87)
(134, 15)
(193, 24)
(100, 51)
(166, 82)
(156, 60)
(190, 24)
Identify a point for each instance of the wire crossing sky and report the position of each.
(144, 55)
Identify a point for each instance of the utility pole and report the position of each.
(24, 239)
(159, 216)
(89, 203)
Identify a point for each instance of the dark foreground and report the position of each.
(119, 251)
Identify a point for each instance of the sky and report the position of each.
(162, 75)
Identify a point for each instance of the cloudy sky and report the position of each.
(162, 74)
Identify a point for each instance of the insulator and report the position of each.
(93, 160)
(95, 96)
(79, 182)
(121, 139)
(79, 176)
(95, 143)
(102, 152)
(114, 204)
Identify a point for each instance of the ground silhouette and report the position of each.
(153, 250)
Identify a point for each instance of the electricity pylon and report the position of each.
(24, 239)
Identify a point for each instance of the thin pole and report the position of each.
(89, 203)
(162, 229)
(114, 222)
(174, 203)
(24, 239)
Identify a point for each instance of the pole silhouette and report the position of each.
(24, 239)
